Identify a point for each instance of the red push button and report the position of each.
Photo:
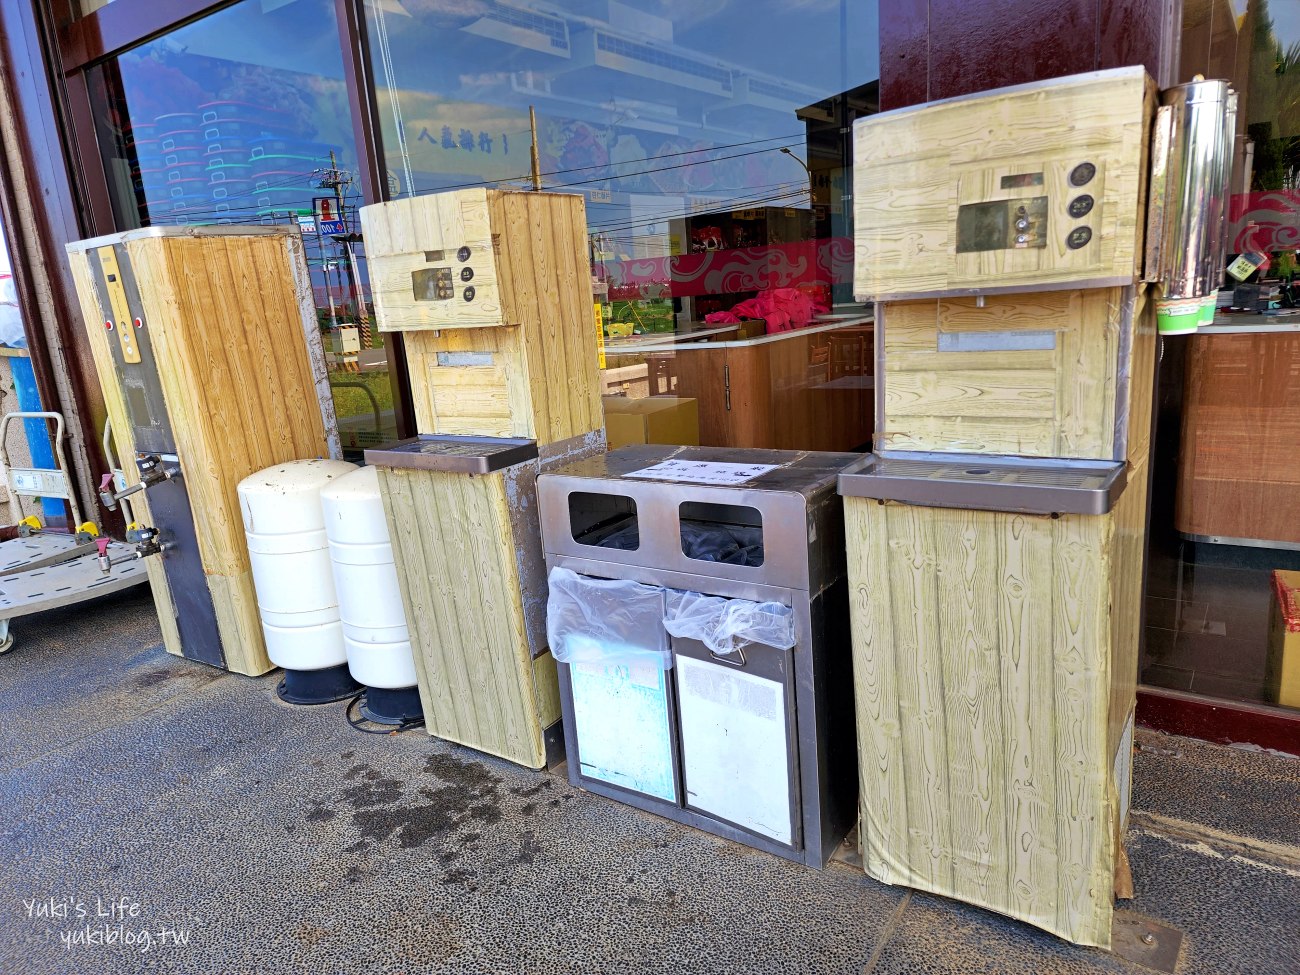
(109, 324)
(139, 323)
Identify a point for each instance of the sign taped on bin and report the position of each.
(703, 472)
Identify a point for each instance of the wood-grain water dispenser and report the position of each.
(996, 536)
(492, 294)
(208, 351)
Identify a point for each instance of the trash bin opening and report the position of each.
(604, 521)
(730, 533)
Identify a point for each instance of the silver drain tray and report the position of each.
(1041, 487)
(461, 455)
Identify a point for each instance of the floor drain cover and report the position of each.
(1145, 942)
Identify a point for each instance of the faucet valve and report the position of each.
(152, 472)
(105, 562)
(145, 539)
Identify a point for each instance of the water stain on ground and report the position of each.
(383, 809)
(528, 847)
(190, 677)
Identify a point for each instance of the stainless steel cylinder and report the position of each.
(1229, 160)
(1194, 231)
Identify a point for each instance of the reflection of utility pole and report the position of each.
(537, 165)
(329, 289)
(335, 179)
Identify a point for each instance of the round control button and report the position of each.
(1082, 173)
(1081, 206)
(468, 293)
(1078, 237)
(462, 255)
(467, 274)
(108, 324)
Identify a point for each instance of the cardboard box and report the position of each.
(654, 419)
(1283, 673)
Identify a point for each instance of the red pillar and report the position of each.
(931, 49)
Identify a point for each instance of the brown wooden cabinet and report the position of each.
(809, 389)
(1239, 476)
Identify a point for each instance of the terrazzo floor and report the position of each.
(199, 825)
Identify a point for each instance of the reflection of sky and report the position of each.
(460, 82)
(1285, 15)
(301, 36)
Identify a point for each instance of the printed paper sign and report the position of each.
(1247, 264)
(703, 472)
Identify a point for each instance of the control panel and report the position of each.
(1037, 186)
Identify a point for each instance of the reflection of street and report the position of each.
(360, 431)
(363, 399)
(368, 360)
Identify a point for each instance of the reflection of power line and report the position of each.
(664, 169)
(273, 209)
(673, 211)
(734, 203)
(622, 175)
(659, 169)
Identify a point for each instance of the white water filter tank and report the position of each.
(289, 553)
(370, 601)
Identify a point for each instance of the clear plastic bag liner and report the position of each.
(728, 625)
(591, 620)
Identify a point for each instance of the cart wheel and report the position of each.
(7, 643)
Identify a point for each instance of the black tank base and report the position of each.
(317, 686)
(383, 705)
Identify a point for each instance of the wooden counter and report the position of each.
(807, 389)
(1239, 473)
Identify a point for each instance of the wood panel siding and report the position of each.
(1238, 476)
(1035, 402)
(456, 549)
(983, 658)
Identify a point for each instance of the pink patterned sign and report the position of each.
(1265, 221)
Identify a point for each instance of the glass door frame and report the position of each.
(85, 42)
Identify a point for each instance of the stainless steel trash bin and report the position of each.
(747, 740)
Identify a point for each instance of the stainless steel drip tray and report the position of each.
(1077, 487)
(464, 455)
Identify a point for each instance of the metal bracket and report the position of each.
(1145, 942)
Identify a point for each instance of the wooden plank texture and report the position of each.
(1242, 395)
(982, 667)
(915, 168)
(456, 558)
(1037, 402)
(882, 736)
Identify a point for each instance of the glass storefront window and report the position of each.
(243, 118)
(711, 142)
(1225, 542)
